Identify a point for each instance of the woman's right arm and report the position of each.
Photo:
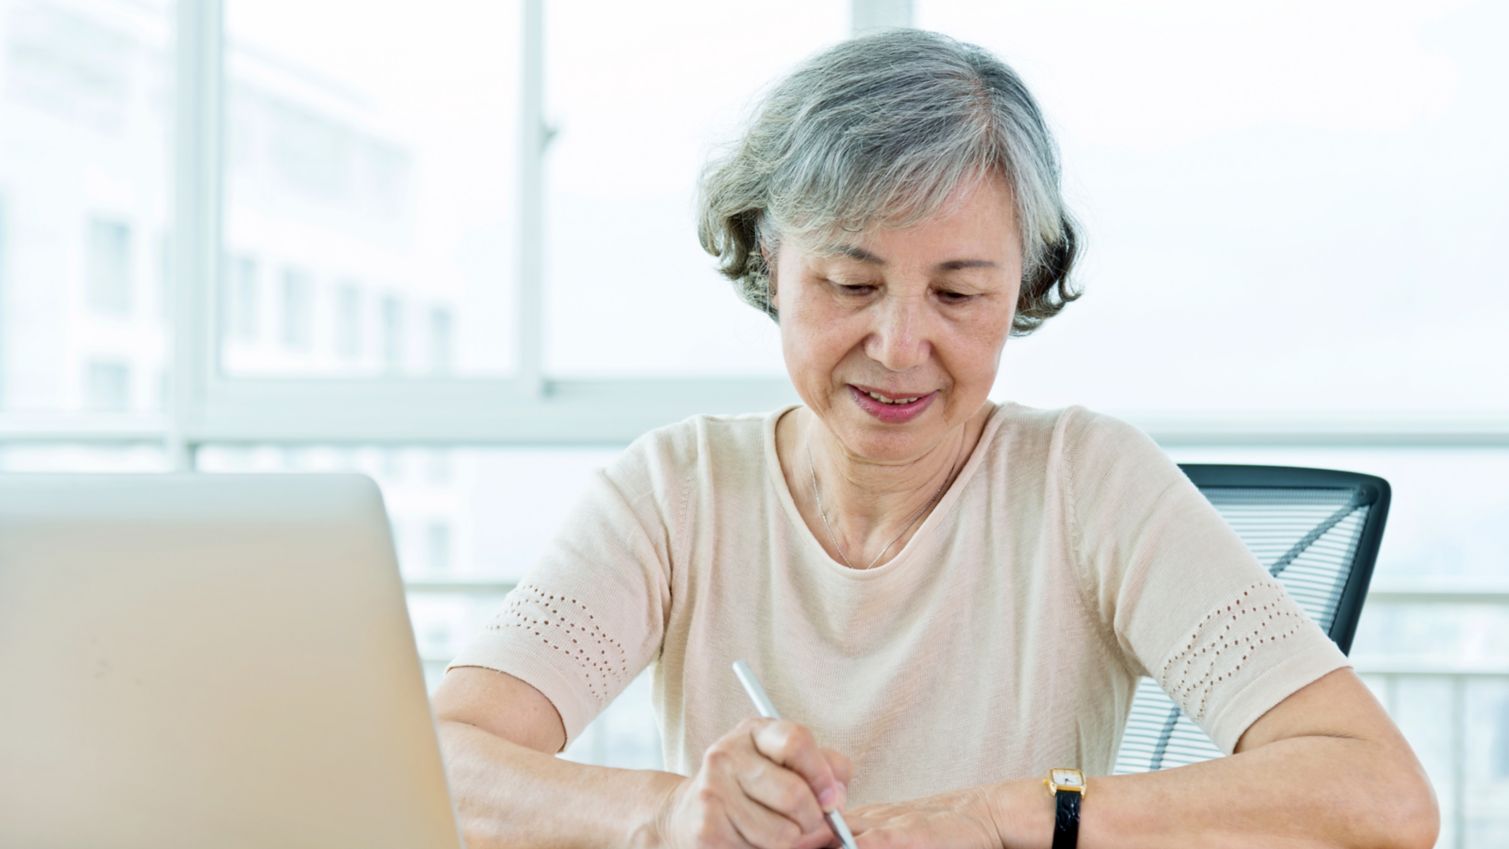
(757, 786)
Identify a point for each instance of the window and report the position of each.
(440, 467)
(1239, 220)
(83, 170)
(298, 310)
(109, 267)
(438, 547)
(163, 386)
(78, 65)
(242, 308)
(348, 321)
(164, 277)
(442, 348)
(444, 621)
(1501, 741)
(391, 466)
(107, 387)
(490, 518)
(385, 158)
(436, 635)
(70, 457)
(392, 333)
(644, 300)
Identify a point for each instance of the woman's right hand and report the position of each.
(763, 785)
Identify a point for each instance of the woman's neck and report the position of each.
(866, 511)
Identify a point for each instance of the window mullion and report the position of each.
(534, 137)
(197, 184)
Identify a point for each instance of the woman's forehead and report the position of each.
(979, 220)
(938, 248)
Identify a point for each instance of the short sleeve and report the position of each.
(1187, 602)
(590, 614)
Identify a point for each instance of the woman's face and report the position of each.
(921, 312)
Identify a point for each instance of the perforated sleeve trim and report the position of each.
(1260, 619)
(566, 625)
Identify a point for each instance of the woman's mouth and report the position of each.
(891, 408)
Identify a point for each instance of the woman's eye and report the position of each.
(856, 289)
(954, 297)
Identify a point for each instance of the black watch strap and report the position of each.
(1066, 822)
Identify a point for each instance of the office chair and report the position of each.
(1317, 531)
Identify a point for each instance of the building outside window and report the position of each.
(165, 276)
(107, 386)
(392, 333)
(242, 308)
(438, 547)
(442, 333)
(348, 321)
(298, 310)
(108, 257)
(1501, 742)
(439, 467)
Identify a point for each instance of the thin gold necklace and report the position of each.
(833, 537)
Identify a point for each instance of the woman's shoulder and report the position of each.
(1073, 439)
(1074, 428)
(717, 442)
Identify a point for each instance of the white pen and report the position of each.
(767, 709)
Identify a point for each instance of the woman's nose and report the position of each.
(900, 340)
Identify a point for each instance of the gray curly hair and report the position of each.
(882, 130)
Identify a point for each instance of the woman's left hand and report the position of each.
(961, 819)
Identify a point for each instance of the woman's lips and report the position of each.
(891, 413)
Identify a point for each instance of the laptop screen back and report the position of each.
(209, 660)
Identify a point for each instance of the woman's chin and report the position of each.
(888, 444)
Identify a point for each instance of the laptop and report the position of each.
(210, 660)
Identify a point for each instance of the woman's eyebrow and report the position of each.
(857, 253)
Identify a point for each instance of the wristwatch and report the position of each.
(1068, 787)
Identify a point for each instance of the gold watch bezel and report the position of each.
(1054, 787)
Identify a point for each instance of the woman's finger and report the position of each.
(762, 827)
(793, 747)
(843, 770)
(783, 792)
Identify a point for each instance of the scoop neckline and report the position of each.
(939, 512)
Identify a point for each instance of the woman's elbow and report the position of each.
(1409, 809)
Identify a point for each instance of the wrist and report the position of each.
(1023, 812)
(652, 831)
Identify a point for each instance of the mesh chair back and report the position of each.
(1317, 531)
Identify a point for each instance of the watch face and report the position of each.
(1066, 778)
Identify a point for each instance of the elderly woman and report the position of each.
(946, 597)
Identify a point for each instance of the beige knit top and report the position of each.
(1069, 557)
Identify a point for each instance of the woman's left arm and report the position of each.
(1326, 767)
